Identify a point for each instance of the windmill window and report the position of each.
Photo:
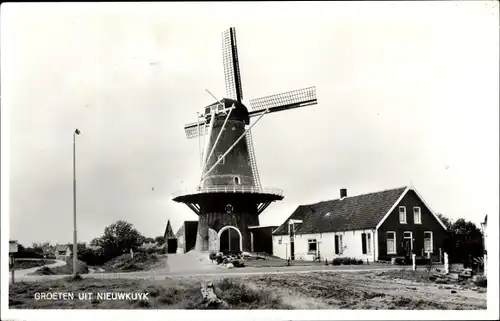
(223, 159)
(236, 180)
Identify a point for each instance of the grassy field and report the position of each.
(28, 264)
(364, 290)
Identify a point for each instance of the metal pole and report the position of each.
(74, 208)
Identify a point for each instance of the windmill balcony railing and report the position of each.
(229, 189)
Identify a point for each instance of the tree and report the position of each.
(119, 238)
(446, 221)
(464, 240)
(96, 241)
(149, 240)
(160, 240)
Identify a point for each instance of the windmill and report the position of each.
(229, 197)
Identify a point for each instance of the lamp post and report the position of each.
(75, 248)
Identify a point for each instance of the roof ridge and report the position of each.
(336, 199)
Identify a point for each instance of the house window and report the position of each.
(366, 239)
(339, 246)
(391, 242)
(223, 159)
(417, 215)
(428, 246)
(402, 214)
(312, 245)
(279, 241)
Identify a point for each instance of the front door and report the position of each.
(292, 249)
(230, 241)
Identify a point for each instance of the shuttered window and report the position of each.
(366, 243)
(338, 244)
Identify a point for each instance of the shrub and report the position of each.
(359, 262)
(336, 261)
(481, 281)
(212, 255)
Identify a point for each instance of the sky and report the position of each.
(407, 94)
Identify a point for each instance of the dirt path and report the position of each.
(24, 272)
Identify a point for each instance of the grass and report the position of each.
(168, 294)
(322, 290)
(140, 262)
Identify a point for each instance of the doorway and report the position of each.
(172, 246)
(230, 239)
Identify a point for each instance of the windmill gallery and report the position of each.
(230, 198)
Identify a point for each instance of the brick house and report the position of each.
(376, 226)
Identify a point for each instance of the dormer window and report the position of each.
(236, 180)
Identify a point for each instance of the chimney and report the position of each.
(343, 192)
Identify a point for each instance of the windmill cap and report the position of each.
(239, 113)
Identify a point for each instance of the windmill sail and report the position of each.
(253, 163)
(231, 65)
(195, 129)
(288, 100)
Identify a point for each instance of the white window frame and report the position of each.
(394, 250)
(419, 221)
(399, 213)
(432, 242)
(411, 238)
(368, 243)
(312, 241)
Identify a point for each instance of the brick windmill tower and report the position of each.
(229, 197)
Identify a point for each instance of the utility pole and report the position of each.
(75, 248)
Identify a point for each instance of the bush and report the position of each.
(346, 261)
(481, 281)
(212, 255)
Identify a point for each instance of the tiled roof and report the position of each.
(169, 234)
(351, 213)
(61, 248)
